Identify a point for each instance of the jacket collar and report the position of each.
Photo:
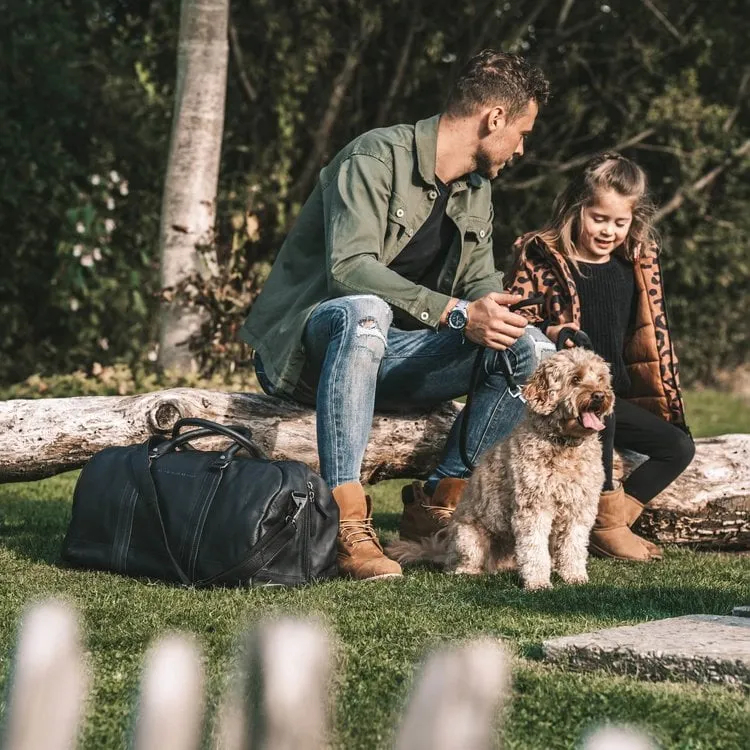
(425, 136)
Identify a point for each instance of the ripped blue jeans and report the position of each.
(357, 362)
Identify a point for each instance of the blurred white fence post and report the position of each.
(280, 699)
(170, 705)
(456, 698)
(49, 681)
(617, 738)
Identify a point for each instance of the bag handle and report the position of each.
(140, 469)
(237, 433)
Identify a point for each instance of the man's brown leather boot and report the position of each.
(424, 515)
(611, 536)
(360, 555)
(633, 509)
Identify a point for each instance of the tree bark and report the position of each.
(708, 506)
(40, 438)
(188, 207)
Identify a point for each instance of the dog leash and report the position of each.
(513, 388)
(579, 338)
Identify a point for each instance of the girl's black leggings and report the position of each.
(670, 450)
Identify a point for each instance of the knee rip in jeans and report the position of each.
(368, 328)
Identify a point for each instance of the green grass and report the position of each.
(714, 413)
(385, 628)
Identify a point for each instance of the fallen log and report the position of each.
(709, 506)
(43, 437)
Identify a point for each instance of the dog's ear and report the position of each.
(542, 391)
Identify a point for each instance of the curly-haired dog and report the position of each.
(536, 493)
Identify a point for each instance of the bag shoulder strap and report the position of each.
(264, 551)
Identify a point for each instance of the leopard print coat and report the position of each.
(649, 355)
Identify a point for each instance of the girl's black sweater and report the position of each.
(605, 291)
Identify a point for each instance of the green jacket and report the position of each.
(367, 205)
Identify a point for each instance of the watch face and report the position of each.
(457, 319)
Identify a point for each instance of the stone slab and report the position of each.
(705, 648)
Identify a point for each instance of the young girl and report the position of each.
(596, 264)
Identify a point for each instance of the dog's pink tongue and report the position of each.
(591, 421)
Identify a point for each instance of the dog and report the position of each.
(532, 500)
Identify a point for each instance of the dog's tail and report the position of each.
(433, 549)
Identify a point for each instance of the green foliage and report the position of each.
(120, 380)
(87, 89)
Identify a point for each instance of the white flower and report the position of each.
(97, 253)
(74, 304)
(124, 187)
(605, 9)
(114, 176)
(87, 261)
(152, 355)
(80, 228)
(110, 203)
(77, 250)
(109, 224)
(449, 57)
(95, 179)
(103, 344)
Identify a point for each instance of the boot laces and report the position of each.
(439, 511)
(354, 532)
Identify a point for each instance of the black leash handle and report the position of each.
(579, 338)
(513, 387)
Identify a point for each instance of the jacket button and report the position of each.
(432, 195)
(399, 212)
(424, 315)
(482, 232)
(410, 232)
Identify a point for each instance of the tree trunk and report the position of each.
(708, 506)
(188, 207)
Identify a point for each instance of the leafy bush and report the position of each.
(87, 90)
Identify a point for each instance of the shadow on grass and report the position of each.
(608, 602)
(386, 521)
(34, 529)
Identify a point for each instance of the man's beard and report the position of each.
(486, 167)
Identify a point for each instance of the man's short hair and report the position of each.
(492, 77)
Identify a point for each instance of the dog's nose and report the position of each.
(597, 397)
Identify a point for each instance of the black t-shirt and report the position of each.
(424, 255)
(605, 291)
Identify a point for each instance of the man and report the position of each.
(385, 287)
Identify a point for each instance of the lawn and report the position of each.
(384, 628)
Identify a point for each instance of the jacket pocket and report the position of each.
(477, 229)
(398, 228)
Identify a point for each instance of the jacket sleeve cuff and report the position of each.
(429, 308)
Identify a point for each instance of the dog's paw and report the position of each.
(537, 585)
(575, 579)
(466, 570)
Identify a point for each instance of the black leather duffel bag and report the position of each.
(202, 518)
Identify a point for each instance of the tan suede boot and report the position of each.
(424, 515)
(359, 555)
(633, 509)
(611, 536)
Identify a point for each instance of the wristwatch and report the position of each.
(458, 317)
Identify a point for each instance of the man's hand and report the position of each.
(490, 322)
(553, 332)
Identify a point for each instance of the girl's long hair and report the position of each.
(605, 171)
